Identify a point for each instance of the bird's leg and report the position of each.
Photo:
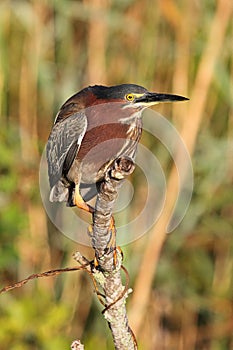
(79, 201)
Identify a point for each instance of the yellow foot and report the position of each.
(80, 203)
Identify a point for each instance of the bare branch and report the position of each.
(109, 258)
(42, 274)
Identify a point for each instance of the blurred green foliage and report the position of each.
(31, 325)
(12, 216)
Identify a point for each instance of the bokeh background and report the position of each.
(183, 282)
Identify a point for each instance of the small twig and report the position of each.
(42, 274)
(76, 345)
(90, 269)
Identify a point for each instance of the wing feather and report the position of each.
(63, 144)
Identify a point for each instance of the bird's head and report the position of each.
(131, 96)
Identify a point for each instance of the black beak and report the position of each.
(150, 97)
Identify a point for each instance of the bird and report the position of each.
(93, 128)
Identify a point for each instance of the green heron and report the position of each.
(92, 129)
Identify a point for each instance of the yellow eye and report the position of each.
(130, 97)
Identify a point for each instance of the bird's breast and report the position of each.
(102, 144)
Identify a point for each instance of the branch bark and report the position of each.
(109, 258)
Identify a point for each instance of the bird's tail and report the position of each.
(59, 192)
(62, 193)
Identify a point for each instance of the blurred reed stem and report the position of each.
(189, 131)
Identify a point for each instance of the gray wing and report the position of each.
(63, 143)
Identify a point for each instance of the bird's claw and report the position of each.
(117, 251)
